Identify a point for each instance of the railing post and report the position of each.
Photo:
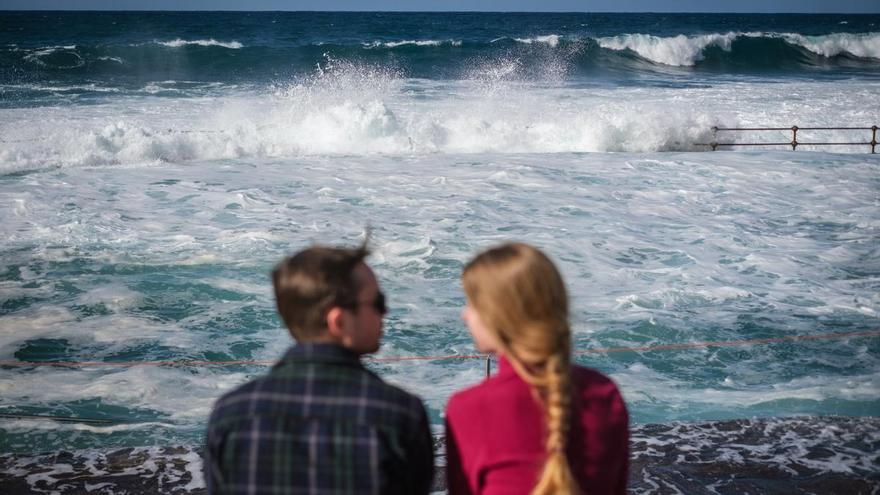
(794, 142)
(873, 138)
(488, 365)
(714, 143)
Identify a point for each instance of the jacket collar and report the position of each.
(504, 366)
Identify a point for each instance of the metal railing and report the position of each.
(794, 143)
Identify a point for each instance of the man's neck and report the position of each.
(321, 339)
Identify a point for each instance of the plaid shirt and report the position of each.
(318, 423)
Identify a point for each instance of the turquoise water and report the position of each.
(658, 251)
(145, 202)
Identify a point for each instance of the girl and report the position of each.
(540, 425)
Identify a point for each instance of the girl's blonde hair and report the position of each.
(521, 298)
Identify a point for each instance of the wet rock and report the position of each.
(820, 455)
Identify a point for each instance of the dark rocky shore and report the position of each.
(783, 455)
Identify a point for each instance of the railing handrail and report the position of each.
(794, 127)
(794, 143)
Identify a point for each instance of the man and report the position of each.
(319, 422)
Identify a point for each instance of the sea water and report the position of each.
(154, 167)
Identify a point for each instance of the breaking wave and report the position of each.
(176, 43)
(353, 109)
(684, 50)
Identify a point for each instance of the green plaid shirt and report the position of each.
(318, 423)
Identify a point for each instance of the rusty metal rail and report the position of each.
(794, 143)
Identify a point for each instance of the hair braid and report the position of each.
(556, 476)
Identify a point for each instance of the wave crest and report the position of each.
(865, 45)
(395, 44)
(677, 51)
(686, 51)
(177, 43)
(551, 39)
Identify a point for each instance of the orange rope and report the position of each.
(608, 350)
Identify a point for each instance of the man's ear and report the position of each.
(336, 322)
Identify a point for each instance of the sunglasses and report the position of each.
(378, 304)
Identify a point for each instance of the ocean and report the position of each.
(154, 166)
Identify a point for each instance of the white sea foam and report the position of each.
(550, 39)
(115, 332)
(177, 43)
(38, 55)
(42, 426)
(52, 49)
(681, 300)
(395, 44)
(146, 387)
(72, 88)
(642, 384)
(403, 254)
(113, 297)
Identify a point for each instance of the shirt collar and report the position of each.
(310, 351)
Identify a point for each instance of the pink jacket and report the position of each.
(495, 435)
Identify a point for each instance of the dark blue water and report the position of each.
(125, 49)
